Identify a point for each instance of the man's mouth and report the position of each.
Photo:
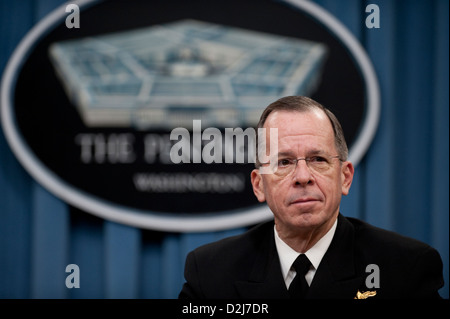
(304, 200)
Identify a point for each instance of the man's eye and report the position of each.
(318, 159)
(284, 162)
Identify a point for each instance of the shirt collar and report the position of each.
(315, 254)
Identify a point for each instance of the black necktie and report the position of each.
(299, 287)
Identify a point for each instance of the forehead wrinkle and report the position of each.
(296, 143)
(296, 134)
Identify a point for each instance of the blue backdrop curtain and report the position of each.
(401, 184)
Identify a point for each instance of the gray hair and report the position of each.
(305, 104)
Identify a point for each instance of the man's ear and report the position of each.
(258, 185)
(347, 171)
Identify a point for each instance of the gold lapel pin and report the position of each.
(364, 295)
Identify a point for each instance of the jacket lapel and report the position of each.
(326, 285)
(265, 280)
(337, 276)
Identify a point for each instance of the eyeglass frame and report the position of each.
(307, 159)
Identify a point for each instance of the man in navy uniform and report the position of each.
(310, 250)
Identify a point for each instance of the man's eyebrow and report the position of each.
(309, 153)
(286, 153)
(317, 152)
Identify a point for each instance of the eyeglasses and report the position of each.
(318, 164)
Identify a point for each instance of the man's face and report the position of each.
(303, 199)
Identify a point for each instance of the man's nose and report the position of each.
(302, 173)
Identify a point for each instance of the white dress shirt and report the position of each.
(315, 254)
